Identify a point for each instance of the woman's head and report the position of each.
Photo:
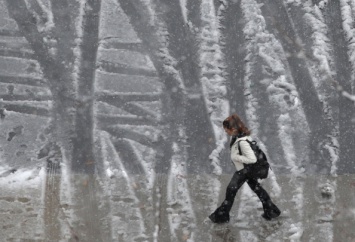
(233, 125)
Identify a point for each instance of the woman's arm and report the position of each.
(247, 157)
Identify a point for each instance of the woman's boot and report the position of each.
(219, 216)
(270, 210)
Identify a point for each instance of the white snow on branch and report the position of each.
(333, 150)
(348, 95)
(321, 43)
(321, 68)
(49, 24)
(295, 2)
(184, 10)
(322, 4)
(78, 41)
(152, 17)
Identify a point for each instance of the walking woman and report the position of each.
(242, 155)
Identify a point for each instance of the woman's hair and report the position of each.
(234, 121)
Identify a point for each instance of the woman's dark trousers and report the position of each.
(221, 215)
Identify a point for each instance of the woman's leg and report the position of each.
(270, 209)
(221, 215)
(259, 191)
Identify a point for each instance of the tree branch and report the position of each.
(38, 10)
(27, 24)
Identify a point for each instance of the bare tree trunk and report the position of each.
(83, 163)
(343, 77)
(61, 124)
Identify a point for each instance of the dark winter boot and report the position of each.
(219, 217)
(270, 211)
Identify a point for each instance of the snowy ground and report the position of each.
(21, 211)
(111, 117)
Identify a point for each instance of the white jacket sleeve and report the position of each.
(247, 157)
